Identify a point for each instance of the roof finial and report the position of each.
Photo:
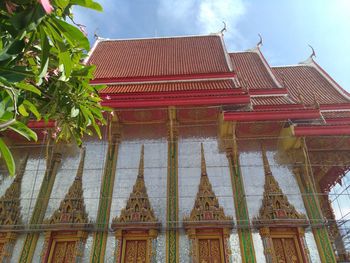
(203, 165)
(95, 34)
(224, 28)
(260, 43)
(313, 54)
(141, 165)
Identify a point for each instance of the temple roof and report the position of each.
(252, 71)
(159, 57)
(310, 83)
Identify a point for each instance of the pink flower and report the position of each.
(46, 5)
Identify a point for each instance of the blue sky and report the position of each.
(287, 26)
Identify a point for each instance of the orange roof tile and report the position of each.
(308, 81)
(169, 87)
(251, 71)
(159, 57)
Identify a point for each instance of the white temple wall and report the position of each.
(311, 245)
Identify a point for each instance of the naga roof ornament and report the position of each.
(138, 211)
(206, 209)
(276, 209)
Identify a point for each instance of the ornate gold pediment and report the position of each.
(138, 212)
(206, 209)
(72, 208)
(276, 209)
(10, 207)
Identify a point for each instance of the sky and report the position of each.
(287, 27)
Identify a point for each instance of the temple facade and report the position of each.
(209, 156)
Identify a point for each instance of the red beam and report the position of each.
(164, 78)
(279, 91)
(322, 130)
(193, 101)
(272, 115)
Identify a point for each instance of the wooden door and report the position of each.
(135, 251)
(63, 252)
(286, 250)
(209, 251)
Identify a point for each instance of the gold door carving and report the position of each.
(63, 252)
(136, 251)
(209, 250)
(285, 250)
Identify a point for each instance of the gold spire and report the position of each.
(203, 164)
(206, 206)
(275, 208)
(10, 207)
(138, 207)
(80, 170)
(141, 165)
(72, 207)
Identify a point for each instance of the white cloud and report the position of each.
(204, 17)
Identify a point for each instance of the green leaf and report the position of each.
(65, 60)
(7, 156)
(32, 108)
(87, 3)
(23, 130)
(72, 34)
(45, 51)
(22, 110)
(28, 87)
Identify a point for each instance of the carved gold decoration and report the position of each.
(138, 207)
(72, 208)
(206, 208)
(10, 207)
(71, 216)
(137, 225)
(276, 209)
(207, 225)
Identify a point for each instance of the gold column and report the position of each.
(106, 193)
(172, 235)
(52, 162)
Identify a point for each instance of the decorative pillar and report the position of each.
(52, 162)
(228, 143)
(303, 173)
(267, 243)
(106, 193)
(172, 216)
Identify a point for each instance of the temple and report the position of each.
(209, 156)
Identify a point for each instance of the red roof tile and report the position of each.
(309, 82)
(271, 100)
(159, 57)
(169, 87)
(251, 71)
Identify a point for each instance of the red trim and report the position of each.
(279, 107)
(161, 102)
(340, 106)
(41, 124)
(322, 130)
(272, 115)
(338, 120)
(177, 94)
(164, 78)
(279, 91)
